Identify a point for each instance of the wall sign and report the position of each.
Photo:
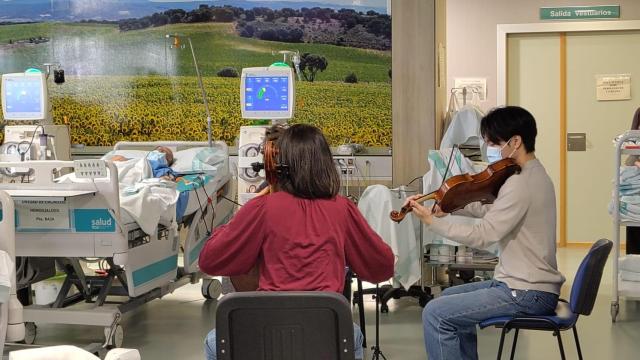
(475, 87)
(580, 12)
(613, 87)
(42, 214)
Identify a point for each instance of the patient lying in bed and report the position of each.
(144, 192)
(159, 163)
(151, 187)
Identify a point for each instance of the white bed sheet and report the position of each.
(193, 159)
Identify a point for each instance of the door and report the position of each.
(590, 173)
(533, 66)
(534, 81)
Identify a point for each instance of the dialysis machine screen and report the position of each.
(267, 94)
(24, 96)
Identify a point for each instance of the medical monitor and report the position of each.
(267, 93)
(24, 96)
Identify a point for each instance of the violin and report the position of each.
(460, 190)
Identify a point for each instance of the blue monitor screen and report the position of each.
(266, 93)
(23, 95)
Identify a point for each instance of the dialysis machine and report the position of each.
(25, 98)
(266, 93)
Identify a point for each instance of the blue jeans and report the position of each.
(210, 344)
(450, 320)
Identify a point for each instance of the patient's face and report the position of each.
(167, 153)
(118, 158)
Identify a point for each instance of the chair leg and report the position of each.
(575, 335)
(560, 345)
(515, 341)
(504, 331)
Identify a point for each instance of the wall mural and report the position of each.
(125, 80)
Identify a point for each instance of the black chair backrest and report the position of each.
(587, 280)
(266, 325)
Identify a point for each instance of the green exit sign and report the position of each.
(580, 12)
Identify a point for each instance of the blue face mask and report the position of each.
(157, 160)
(494, 153)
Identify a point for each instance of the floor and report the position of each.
(174, 327)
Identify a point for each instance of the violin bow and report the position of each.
(446, 172)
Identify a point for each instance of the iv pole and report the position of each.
(295, 60)
(176, 44)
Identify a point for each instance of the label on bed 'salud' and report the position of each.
(93, 220)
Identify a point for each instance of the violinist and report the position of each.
(522, 221)
(299, 231)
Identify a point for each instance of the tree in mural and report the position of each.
(223, 14)
(310, 64)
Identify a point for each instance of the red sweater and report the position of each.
(298, 244)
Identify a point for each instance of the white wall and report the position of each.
(471, 32)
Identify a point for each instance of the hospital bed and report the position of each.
(82, 222)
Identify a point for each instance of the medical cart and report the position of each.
(621, 288)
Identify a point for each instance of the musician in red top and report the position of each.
(300, 232)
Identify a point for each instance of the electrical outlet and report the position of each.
(346, 165)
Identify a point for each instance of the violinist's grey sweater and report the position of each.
(522, 220)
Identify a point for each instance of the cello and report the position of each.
(273, 170)
(460, 190)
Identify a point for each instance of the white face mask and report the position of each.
(494, 153)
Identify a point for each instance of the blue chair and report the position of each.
(583, 297)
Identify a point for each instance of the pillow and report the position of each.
(203, 159)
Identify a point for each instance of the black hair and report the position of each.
(311, 172)
(274, 132)
(503, 123)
